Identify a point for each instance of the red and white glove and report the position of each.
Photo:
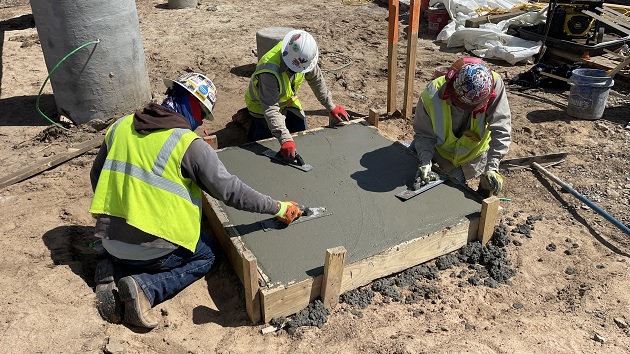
(288, 149)
(340, 114)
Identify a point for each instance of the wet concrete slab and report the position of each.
(356, 174)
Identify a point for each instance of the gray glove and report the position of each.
(424, 175)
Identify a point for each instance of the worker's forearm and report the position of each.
(202, 165)
(269, 93)
(316, 81)
(424, 139)
(97, 166)
(500, 126)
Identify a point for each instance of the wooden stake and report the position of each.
(392, 55)
(373, 118)
(489, 213)
(412, 45)
(250, 282)
(333, 272)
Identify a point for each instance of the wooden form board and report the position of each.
(263, 301)
(475, 22)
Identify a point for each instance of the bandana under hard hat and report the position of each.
(473, 84)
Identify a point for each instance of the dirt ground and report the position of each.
(571, 297)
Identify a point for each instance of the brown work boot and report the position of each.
(137, 305)
(107, 300)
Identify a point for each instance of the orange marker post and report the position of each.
(392, 55)
(412, 46)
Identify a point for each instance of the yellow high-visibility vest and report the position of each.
(470, 145)
(141, 181)
(270, 63)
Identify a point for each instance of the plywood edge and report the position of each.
(287, 300)
(407, 255)
(232, 246)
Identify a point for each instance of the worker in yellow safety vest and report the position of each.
(148, 178)
(463, 123)
(271, 97)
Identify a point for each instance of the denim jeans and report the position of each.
(164, 277)
(260, 130)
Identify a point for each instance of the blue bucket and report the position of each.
(588, 94)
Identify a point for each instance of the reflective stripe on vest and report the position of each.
(456, 150)
(270, 63)
(141, 181)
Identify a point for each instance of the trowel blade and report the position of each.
(308, 213)
(408, 194)
(297, 162)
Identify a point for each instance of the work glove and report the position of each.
(289, 211)
(424, 175)
(287, 149)
(340, 114)
(492, 181)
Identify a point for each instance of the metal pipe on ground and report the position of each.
(582, 198)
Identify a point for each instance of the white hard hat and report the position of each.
(299, 51)
(199, 86)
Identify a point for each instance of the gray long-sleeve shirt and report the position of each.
(201, 164)
(498, 117)
(269, 94)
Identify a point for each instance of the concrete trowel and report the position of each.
(297, 162)
(308, 213)
(410, 193)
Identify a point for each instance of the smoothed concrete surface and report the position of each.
(356, 174)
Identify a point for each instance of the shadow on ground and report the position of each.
(70, 245)
(21, 111)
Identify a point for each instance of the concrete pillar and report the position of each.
(267, 38)
(100, 81)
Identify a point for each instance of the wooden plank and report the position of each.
(607, 21)
(392, 55)
(285, 301)
(51, 162)
(373, 118)
(231, 245)
(292, 299)
(333, 272)
(489, 214)
(412, 47)
(475, 22)
(618, 17)
(250, 282)
(407, 255)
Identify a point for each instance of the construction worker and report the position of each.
(272, 99)
(463, 123)
(148, 179)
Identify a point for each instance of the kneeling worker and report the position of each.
(463, 123)
(271, 98)
(148, 179)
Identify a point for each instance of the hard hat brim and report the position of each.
(206, 106)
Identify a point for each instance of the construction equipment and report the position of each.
(308, 213)
(409, 193)
(535, 162)
(297, 162)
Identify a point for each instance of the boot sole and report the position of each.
(108, 303)
(129, 293)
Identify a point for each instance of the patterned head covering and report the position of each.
(473, 84)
